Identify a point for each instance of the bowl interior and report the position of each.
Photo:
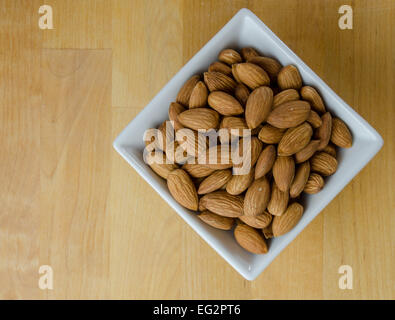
(245, 29)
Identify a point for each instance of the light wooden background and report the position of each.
(69, 201)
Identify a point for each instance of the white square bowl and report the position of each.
(243, 30)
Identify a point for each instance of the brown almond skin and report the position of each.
(185, 92)
(199, 96)
(216, 221)
(250, 239)
(229, 56)
(161, 168)
(289, 114)
(217, 81)
(239, 183)
(285, 96)
(248, 53)
(257, 197)
(255, 146)
(242, 93)
(214, 158)
(289, 78)
(182, 189)
(307, 152)
(199, 118)
(251, 75)
(341, 135)
(331, 149)
(224, 103)
(174, 110)
(197, 170)
(192, 142)
(314, 119)
(259, 222)
(265, 161)
(278, 201)
(235, 123)
(300, 180)
(314, 184)
(324, 132)
(284, 223)
(323, 163)
(215, 181)
(295, 139)
(223, 203)
(311, 95)
(218, 66)
(258, 106)
(268, 232)
(270, 65)
(271, 135)
(283, 172)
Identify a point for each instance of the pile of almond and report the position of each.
(292, 146)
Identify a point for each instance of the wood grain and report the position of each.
(70, 201)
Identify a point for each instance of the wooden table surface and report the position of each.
(69, 201)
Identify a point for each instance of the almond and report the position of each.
(216, 221)
(285, 96)
(278, 201)
(283, 172)
(307, 152)
(324, 132)
(323, 163)
(223, 203)
(248, 53)
(251, 75)
(242, 93)
(218, 66)
(259, 222)
(185, 92)
(197, 170)
(314, 184)
(250, 239)
(269, 134)
(268, 232)
(182, 189)
(191, 141)
(331, 149)
(174, 110)
(235, 123)
(258, 106)
(265, 161)
(215, 181)
(301, 177)
(229, 56)
(217, 81)
(239, 183)
(157, 162)
(314, 119)
(201, 206)
(217, 157)
(246, 154)
(199, 118)
(270, 65)
(257, 197)
(199, 95)
(224, 103)
(311, 95)
(295, 139)
(341, 135)
(289, 114)
(289, 78)
(284, 223)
